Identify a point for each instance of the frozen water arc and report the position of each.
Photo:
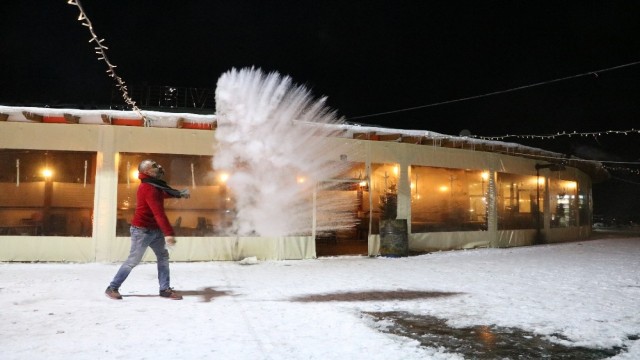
(271, 138)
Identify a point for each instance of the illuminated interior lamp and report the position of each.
(485, 175)
(301, 179)
(223, 177)
(443, 188)
(47, 173)
(363, 185)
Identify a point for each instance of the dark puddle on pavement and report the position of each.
(484, 342)
(374, 295)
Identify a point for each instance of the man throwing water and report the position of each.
(150, 228)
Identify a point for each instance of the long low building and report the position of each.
(68, 184)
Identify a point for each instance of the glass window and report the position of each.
(46, 193)
(584, 205)
(208, 212)
(384, 180)
(516, 201)
(563, 201)
(444, 199)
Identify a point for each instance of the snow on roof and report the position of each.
(100, 116)
(356, 131)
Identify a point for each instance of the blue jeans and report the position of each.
(141, 239)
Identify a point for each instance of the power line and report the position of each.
(590, 73)
(625, 180)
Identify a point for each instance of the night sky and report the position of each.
(367, 57)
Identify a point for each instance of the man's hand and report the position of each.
(170, 240)
(185, 193)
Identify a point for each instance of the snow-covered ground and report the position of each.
(587, 292)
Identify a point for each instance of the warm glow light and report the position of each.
(224, 177)
(396, 170)
(540, 181)
(47, 173)
(363, 183)
(443, 188)
(572, 185)
(134, 174)
(485, 175)
(301, 179)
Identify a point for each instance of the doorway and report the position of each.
(349, 236)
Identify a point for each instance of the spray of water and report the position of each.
(272, 140)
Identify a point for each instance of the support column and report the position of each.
(546, 205)
(492, 210)
(105, 200)
(404, 192)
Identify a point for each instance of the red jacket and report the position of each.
(150, 208)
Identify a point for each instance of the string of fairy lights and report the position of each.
(610, 165)
(101, 51)
(560, 134)
(621, 169)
